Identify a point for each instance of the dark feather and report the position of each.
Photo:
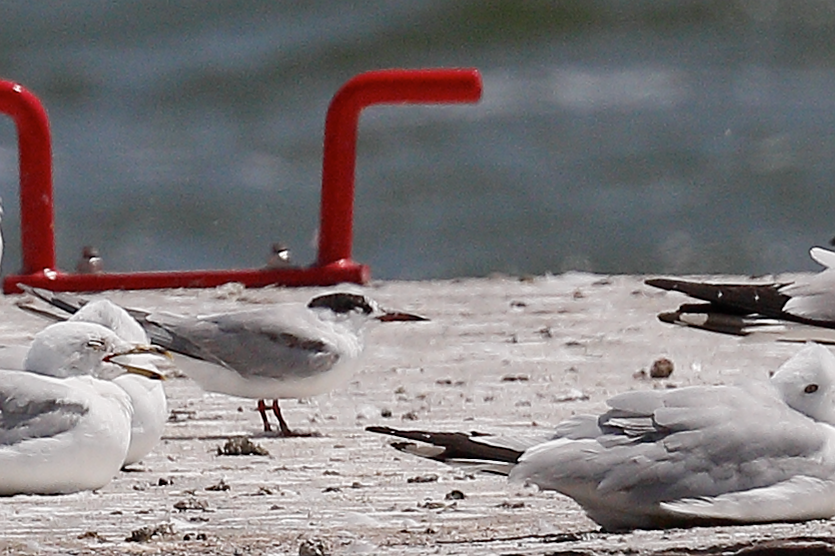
(456, 445)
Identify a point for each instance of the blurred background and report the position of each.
(619, 136)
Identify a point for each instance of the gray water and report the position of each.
(613, 136)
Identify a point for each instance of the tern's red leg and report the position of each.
(262, 409)
(282, 424)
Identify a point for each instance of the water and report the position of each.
(613, 136)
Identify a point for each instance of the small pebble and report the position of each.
(455, 495)
(661, 368)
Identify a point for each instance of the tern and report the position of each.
(701, 455)
(292, 350)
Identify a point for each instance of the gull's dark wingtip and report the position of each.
(722, 323)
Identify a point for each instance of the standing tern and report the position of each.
(741, 309)
(63, 435)
(700, 455)
(292, 350)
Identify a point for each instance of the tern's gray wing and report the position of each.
(32, 406)
(698, 443)
(254, 343)
(66, 302)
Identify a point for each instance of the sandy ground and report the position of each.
(499, 355)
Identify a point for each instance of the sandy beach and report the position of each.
(500, 354)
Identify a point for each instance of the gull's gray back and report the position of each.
(35, 407)
(655, 447)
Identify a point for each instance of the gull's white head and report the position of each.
(806, 382)
(68, 349)
(110, 315)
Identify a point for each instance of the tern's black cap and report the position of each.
(342, 303)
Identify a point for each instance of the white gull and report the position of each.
(62, 435)
(700, 455)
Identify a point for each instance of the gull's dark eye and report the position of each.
(811, 389)
(96, 344)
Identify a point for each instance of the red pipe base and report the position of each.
(329, 275)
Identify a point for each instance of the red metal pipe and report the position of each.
(339, 160)
(37, 221)
(253, 278)
(334, 264)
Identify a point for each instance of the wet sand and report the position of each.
(500, 355)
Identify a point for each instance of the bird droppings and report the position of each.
(428, 478)
(314, 547)
(263, 491)
(192, 504)
(449, 382)
(661, 368)
(241, 446)
(572, 395)
(221, 485)
(91, 535)
(162, 531)
(179, 415)
(435, 505)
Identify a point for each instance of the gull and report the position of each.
(804, 309)
(63, 435)
(700, 455)
(291, 350)
(150, 407)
